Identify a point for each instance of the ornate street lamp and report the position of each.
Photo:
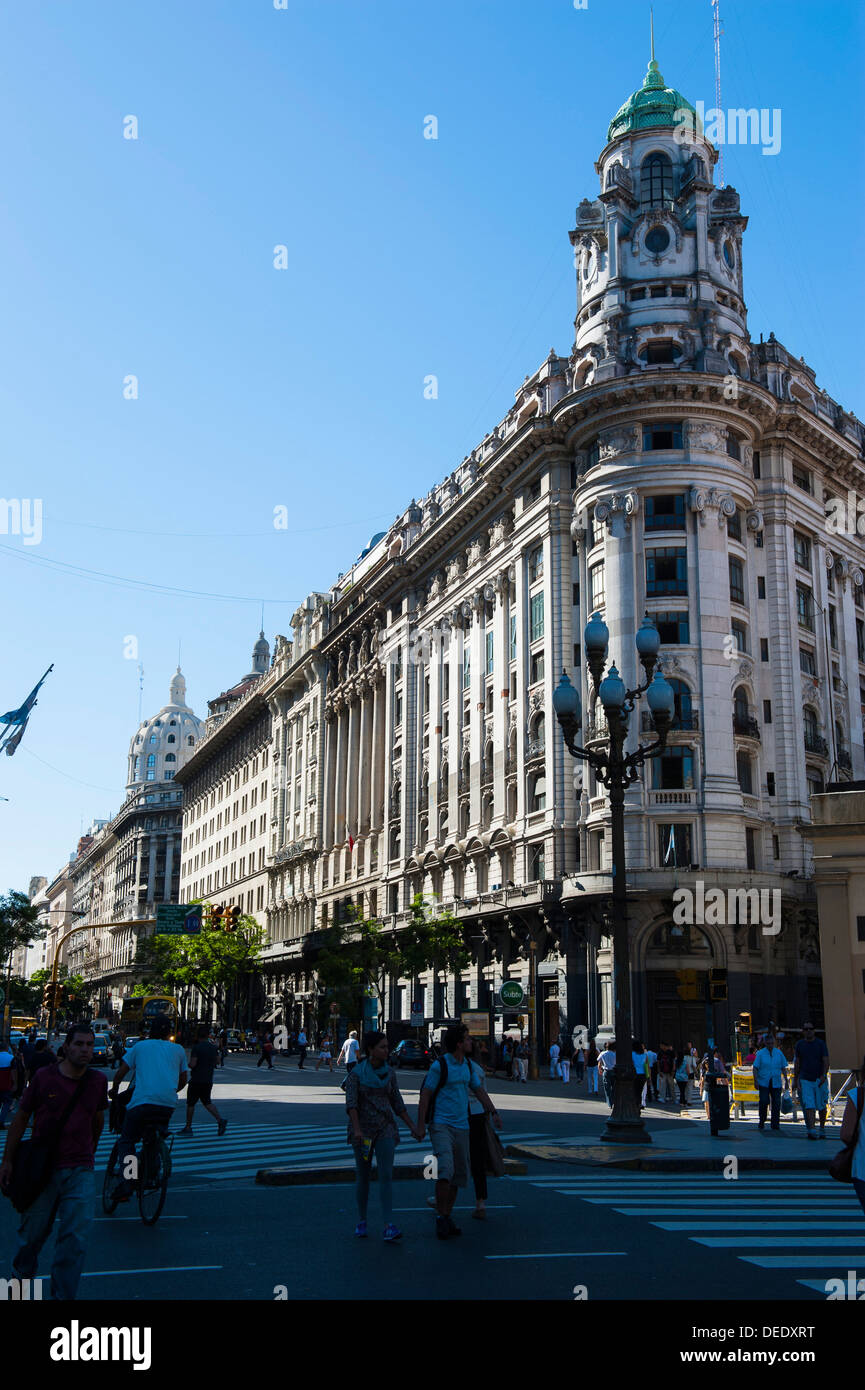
(617, 770)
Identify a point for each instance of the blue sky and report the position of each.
(304, 387)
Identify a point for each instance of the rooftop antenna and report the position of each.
(261, 629)
(716, 17)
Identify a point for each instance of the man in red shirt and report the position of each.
(69, 1193)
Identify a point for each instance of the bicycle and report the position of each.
(151, 1180)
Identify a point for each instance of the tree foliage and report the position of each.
(209, 961)
(18, 923)
(361, 953)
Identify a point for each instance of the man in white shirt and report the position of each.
(554, 1060)
(606, 1062)
(349, 1051)
(157, 1069)
(770, 1072)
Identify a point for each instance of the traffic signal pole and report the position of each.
(55, 968)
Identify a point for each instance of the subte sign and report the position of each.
(512, 994)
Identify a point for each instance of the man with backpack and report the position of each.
(444, 1099)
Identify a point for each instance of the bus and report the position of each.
(22, 1023)
(139, 1011)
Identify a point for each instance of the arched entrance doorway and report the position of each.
(677, 965)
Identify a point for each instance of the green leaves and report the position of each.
(209, 960)
(17, 923)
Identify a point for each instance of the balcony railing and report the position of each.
(682, 722)
(815, 744)
(683, 798)
(746, 725)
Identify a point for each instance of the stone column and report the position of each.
(366, 756)
(352, 750)
(169, 865)
(339, 776)
(329, 770)
(477, 706)
(501, 681)
(377, 761)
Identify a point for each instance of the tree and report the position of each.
(360, 954)
(210, 961)
(18, 924)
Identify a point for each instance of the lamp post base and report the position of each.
(626, 1131)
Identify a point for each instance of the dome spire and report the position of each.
(177, 689)
(652, 33)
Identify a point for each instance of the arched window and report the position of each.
(464, 818)
(153, 738)
(190, 742)
(395, 843)
(171, 739)
(656, 181)
(170, 758)
(740, 704)
(812, 727)
(538, 792)
(172, 723)
(444, 777)
(396, 800)
(683, 717)
(151, 759)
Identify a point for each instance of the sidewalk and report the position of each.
(681, 1142)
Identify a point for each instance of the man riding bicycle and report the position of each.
(157, 1069)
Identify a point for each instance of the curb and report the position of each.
(299, 1177)
(672, 1163)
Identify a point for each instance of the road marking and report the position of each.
(561, 1255)
(162, 1269)
(721, 1242)
(114, 1219)
(432, 1211)
(813, 1224)
(806, 1262)
(712, 1209)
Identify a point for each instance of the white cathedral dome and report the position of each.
(164, 743)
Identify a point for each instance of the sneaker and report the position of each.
(442, 1227)
(811, 1134)
(222, 1127)
(360, 1229)
(391, 1234)
(479, 1214)
(452, 1229)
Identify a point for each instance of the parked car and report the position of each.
(101, 1049)
(235, 1039)
(411, 1053)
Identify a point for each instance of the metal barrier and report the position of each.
(745, 1093)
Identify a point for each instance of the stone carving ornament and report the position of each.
(625, 502)
(706, 436)
(619, 441)
(754, 520)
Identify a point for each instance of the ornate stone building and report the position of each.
(668, 464)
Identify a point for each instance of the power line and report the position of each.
(218, 535)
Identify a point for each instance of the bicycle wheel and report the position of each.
(109, 1182)
(153, 1174)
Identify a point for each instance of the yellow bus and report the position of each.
(22, 1023)
(139, 1011)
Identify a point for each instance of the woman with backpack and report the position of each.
(374, 1103)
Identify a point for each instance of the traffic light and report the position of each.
(230, 918)
(717, 986)
(216, 912)
(687, 986)
(743, 1023)
(48, 997)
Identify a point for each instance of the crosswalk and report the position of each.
(245, 1148)
(776, 1220)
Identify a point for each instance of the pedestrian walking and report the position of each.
(478, 1156)
(222, 1046)
(579, 1062)
(666, 1073)
(566, 1057)
(348, 1052)
(770, 1074)
(202, 1060)
(853, 1133)
(606, 1067)
(301, 1046)
(592, 1067)
(8, 1079)
(715, 1091)
(40, 1056)
(653, 1074)
(683, 1076)
(640, 1059)
(444, 1098)
(508, 1058)
(116, 1053)
(374, 1103)
(266, 1055)
(555, 1070)
(325, 1052)
(521, 1061)
(811, 1078)
(67, 1102)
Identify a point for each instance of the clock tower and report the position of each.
(658, 251)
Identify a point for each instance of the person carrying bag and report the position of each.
(849, 1164)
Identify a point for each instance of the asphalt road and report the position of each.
(610, 1235)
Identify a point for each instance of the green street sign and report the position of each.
(512, 994)
(174, 919)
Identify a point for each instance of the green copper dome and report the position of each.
(654, 104)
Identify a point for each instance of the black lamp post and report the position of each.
(617, 770)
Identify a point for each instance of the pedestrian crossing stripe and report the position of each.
(775, 1199)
